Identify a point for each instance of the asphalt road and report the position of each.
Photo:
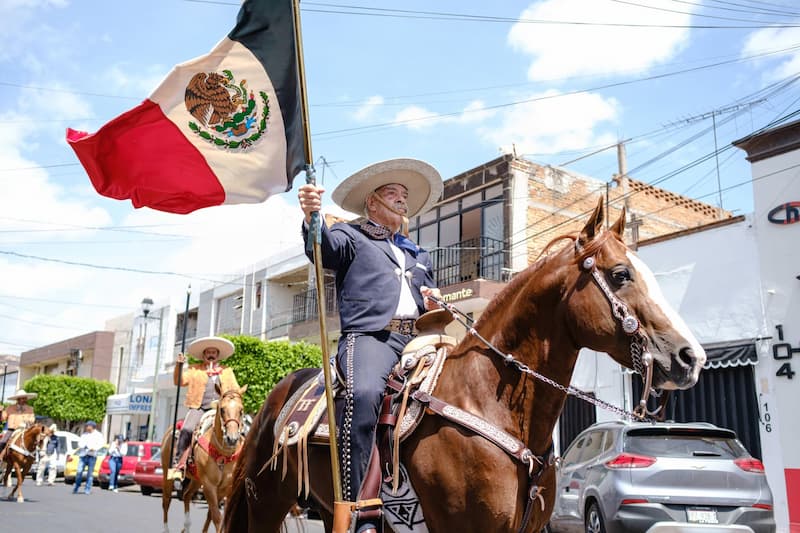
(56, 509)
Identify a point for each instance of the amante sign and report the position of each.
(460, 294)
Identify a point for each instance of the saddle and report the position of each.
(303, 420)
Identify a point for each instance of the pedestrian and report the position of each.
(48, 458)
(89, 443)
(383, 281)
(201, 381)
(116, 450)
(17, 416)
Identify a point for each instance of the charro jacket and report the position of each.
(368, 276)
(195, 378)
(18, 415)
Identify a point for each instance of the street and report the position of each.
(56, 509)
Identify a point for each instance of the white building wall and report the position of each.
(776, 181)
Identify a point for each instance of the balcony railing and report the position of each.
(478, 258)
(305, 304)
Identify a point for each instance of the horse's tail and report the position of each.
(251, 493)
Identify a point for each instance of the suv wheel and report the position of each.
(594, 520)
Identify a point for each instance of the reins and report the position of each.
(509, 359)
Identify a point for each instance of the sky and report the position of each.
(456, 84)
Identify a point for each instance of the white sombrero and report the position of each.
(423, 182)
(225, 347)
(22, 394)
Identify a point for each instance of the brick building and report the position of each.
(493, 221)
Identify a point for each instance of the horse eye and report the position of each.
(621, 275)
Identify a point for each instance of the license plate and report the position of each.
(702, 516)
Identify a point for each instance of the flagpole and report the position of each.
(180, 374)
(341, 509)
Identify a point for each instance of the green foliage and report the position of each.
(261, 365)
(69, 400)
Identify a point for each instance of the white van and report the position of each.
(67, 443)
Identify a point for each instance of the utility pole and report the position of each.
(3, 394)
(713, 114)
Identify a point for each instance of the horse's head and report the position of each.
(615, 306)
(231, 412)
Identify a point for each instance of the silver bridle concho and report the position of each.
(640, 355)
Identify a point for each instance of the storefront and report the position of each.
(128, 414)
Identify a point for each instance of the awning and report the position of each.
(128, 404)
(730, 354)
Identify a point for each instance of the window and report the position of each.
(258, 295)
(574, 453)
(593, 446)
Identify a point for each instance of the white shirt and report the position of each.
(406, 306)
(91, 442)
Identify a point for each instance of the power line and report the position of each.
(683, 12)
(539, 98)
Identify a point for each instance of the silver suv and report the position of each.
(636, 477)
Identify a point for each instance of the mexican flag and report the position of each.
(224, 128)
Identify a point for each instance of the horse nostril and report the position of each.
(686, 357)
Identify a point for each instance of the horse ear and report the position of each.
(619, 225)
(217, 388)
(242, 390)
(593, 225)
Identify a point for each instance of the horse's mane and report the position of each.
(521, 278)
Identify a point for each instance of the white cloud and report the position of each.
(367, 110)
(562, 50)
(775, 39)
(418, 118)
(553, 125)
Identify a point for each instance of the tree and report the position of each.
(69, 400)
(261, 365)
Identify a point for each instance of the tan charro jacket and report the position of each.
(195, 378)
(19, 415)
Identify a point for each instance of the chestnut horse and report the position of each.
(214, 455)
(20, 454)
(593, 293)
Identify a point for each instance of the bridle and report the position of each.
(640, 356)
(642, 359)
(226, 421)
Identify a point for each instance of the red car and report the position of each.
(135, 451)
(148, 476)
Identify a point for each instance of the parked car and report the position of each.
(67, 444)
(149, 474)
(133, 452)
(628, 476)
(71, 466)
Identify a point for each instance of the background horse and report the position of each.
(593, 293)
(214, 455)
(20, 454)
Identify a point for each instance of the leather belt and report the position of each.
(403, 326)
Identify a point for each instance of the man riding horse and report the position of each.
(17, 416)
(383, 281)
(202, 381)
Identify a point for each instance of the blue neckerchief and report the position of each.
(404, 243)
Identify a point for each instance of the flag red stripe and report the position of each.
(143, 156)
